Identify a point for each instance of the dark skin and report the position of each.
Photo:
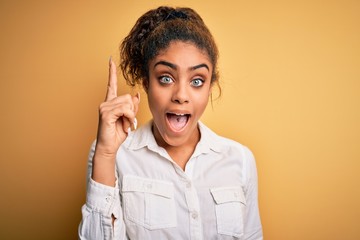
(179, 84)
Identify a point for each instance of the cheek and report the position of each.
(201, 102)
(155, 100)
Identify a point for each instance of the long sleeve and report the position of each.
(253, 228)
(214, 198)
(101, 203)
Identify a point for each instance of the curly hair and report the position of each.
(154, 31)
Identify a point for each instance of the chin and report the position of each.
(175, 141)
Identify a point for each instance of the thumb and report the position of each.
(136, 101)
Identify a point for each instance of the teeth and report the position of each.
(179, 114)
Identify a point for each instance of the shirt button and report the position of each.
(108, 198)
(194, 215)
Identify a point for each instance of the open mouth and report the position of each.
(177, 121)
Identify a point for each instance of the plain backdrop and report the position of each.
(290, 75)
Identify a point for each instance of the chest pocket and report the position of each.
(148, 202)
(229, 209)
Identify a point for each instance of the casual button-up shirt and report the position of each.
(214, 198)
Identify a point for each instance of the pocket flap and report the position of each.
(146, 185)
(228, 194)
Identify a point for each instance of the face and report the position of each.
(178, 93)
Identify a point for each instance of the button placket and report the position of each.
(108, 198)
(193, 204)
(194, 215)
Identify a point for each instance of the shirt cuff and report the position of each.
(100, 197)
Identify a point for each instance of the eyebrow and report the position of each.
(200, 66)
(174, 66)
(168, 64)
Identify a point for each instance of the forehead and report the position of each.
(182, 53)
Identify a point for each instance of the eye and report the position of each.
(197, 82)
(165, 79)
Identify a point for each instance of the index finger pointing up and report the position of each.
(112, 84)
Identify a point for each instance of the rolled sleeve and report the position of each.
(101, 198)
(101, 205)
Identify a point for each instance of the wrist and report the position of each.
(104, 152)
(103, 168)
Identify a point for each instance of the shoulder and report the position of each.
(223, 144)
(237, 153)
(233, 147)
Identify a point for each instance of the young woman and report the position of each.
(172, 178)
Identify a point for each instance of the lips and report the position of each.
(177, 121)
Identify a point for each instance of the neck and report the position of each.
(179, 153)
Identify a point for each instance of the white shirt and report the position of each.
(214, 198)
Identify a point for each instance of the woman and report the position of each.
(172, 178)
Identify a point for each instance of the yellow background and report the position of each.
(290, 73)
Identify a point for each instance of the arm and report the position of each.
(252, 227)
(116, 116)
(101, 208)
(102, 214)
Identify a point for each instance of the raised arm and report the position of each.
(102, 214)
(116, 117)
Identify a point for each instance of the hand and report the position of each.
(116, 118)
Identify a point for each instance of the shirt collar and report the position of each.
(209, 141)
(143, 137)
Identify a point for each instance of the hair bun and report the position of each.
(154, 31)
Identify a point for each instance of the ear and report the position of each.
(217, 91)
(211, 88)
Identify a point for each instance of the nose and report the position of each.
(180, 94)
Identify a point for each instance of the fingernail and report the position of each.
(135, 123)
